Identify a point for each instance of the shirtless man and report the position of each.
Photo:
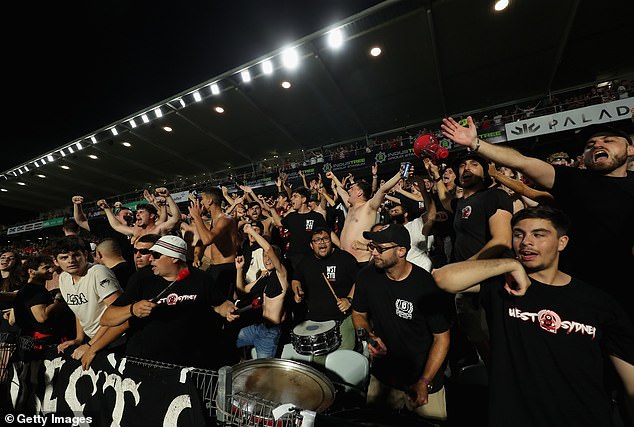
(146, 218)
(362, 209)
(220, 239)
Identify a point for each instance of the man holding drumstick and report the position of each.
(325, 279)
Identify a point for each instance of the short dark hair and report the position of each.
(321, 229)
(147, 207)
(365, 187)
(68, 244)
(71, 225)
(558, 218)
(282, 194)
(303, 192)
(34, 262)
(216, 195)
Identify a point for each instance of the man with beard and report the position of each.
(601, 195)
(551, 333)
(327, 268)
(482, 225)
(408, 319)
(147, 221)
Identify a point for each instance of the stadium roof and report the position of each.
(439, 58)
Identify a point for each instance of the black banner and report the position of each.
(112, 392)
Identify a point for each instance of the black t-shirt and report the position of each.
(601, 210)
(340, 268)
(123, 271)
(184, 329)
(404, 314)
(335, 219)
(299, 227)
(100, 227)
(548, 351)
(28, 296)
(471, 220)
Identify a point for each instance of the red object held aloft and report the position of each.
(427, 145)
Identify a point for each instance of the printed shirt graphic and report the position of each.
(549, 347)
(85, 298)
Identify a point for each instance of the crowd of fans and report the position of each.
(382, 252)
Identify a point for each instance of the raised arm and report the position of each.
(375, 177)
(265, 245)
(537, 170)
(375, 202)
(466, 276)
(339, 186)
(175, 212)
(114, 223)
(78, 213)
(520, 188)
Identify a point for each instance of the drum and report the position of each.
(261, 385)
(316, 338)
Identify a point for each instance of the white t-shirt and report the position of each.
(85, 298)
(257, 264)
(418, 253)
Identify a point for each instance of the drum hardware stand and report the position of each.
(304, 418)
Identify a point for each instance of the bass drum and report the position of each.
(260, 385)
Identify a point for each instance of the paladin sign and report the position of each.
(568, 120)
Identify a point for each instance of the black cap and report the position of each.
(603, 129)
(389, 233)
(469, 155)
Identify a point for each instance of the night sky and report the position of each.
(72, 70)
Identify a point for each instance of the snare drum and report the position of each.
(316, 338)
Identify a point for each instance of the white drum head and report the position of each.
(310, 328)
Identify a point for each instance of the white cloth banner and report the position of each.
(572, 119)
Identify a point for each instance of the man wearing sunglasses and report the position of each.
(325, 268)
(171, 313)
(408, 319)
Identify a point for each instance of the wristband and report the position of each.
(438, 179)
(131, 309)
(477, 147)
(349, 299)
(88, 344)
(425, 381)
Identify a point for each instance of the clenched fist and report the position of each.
(78, 200)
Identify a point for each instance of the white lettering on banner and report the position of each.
(71, 391)
(568, 120)
(24, 228)
(176, 407)
(50, 366)
(120, 386)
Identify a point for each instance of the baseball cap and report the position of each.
(389, 233)
(601, 129)
(171, 246)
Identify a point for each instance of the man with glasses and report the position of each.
(408, 320)
(327, 268)
(171, 313)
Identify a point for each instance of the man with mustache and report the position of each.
(601, 196)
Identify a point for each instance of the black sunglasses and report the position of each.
(155, 255)
(380, 249)
(142, 251)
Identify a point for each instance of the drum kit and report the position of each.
(261, 385)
